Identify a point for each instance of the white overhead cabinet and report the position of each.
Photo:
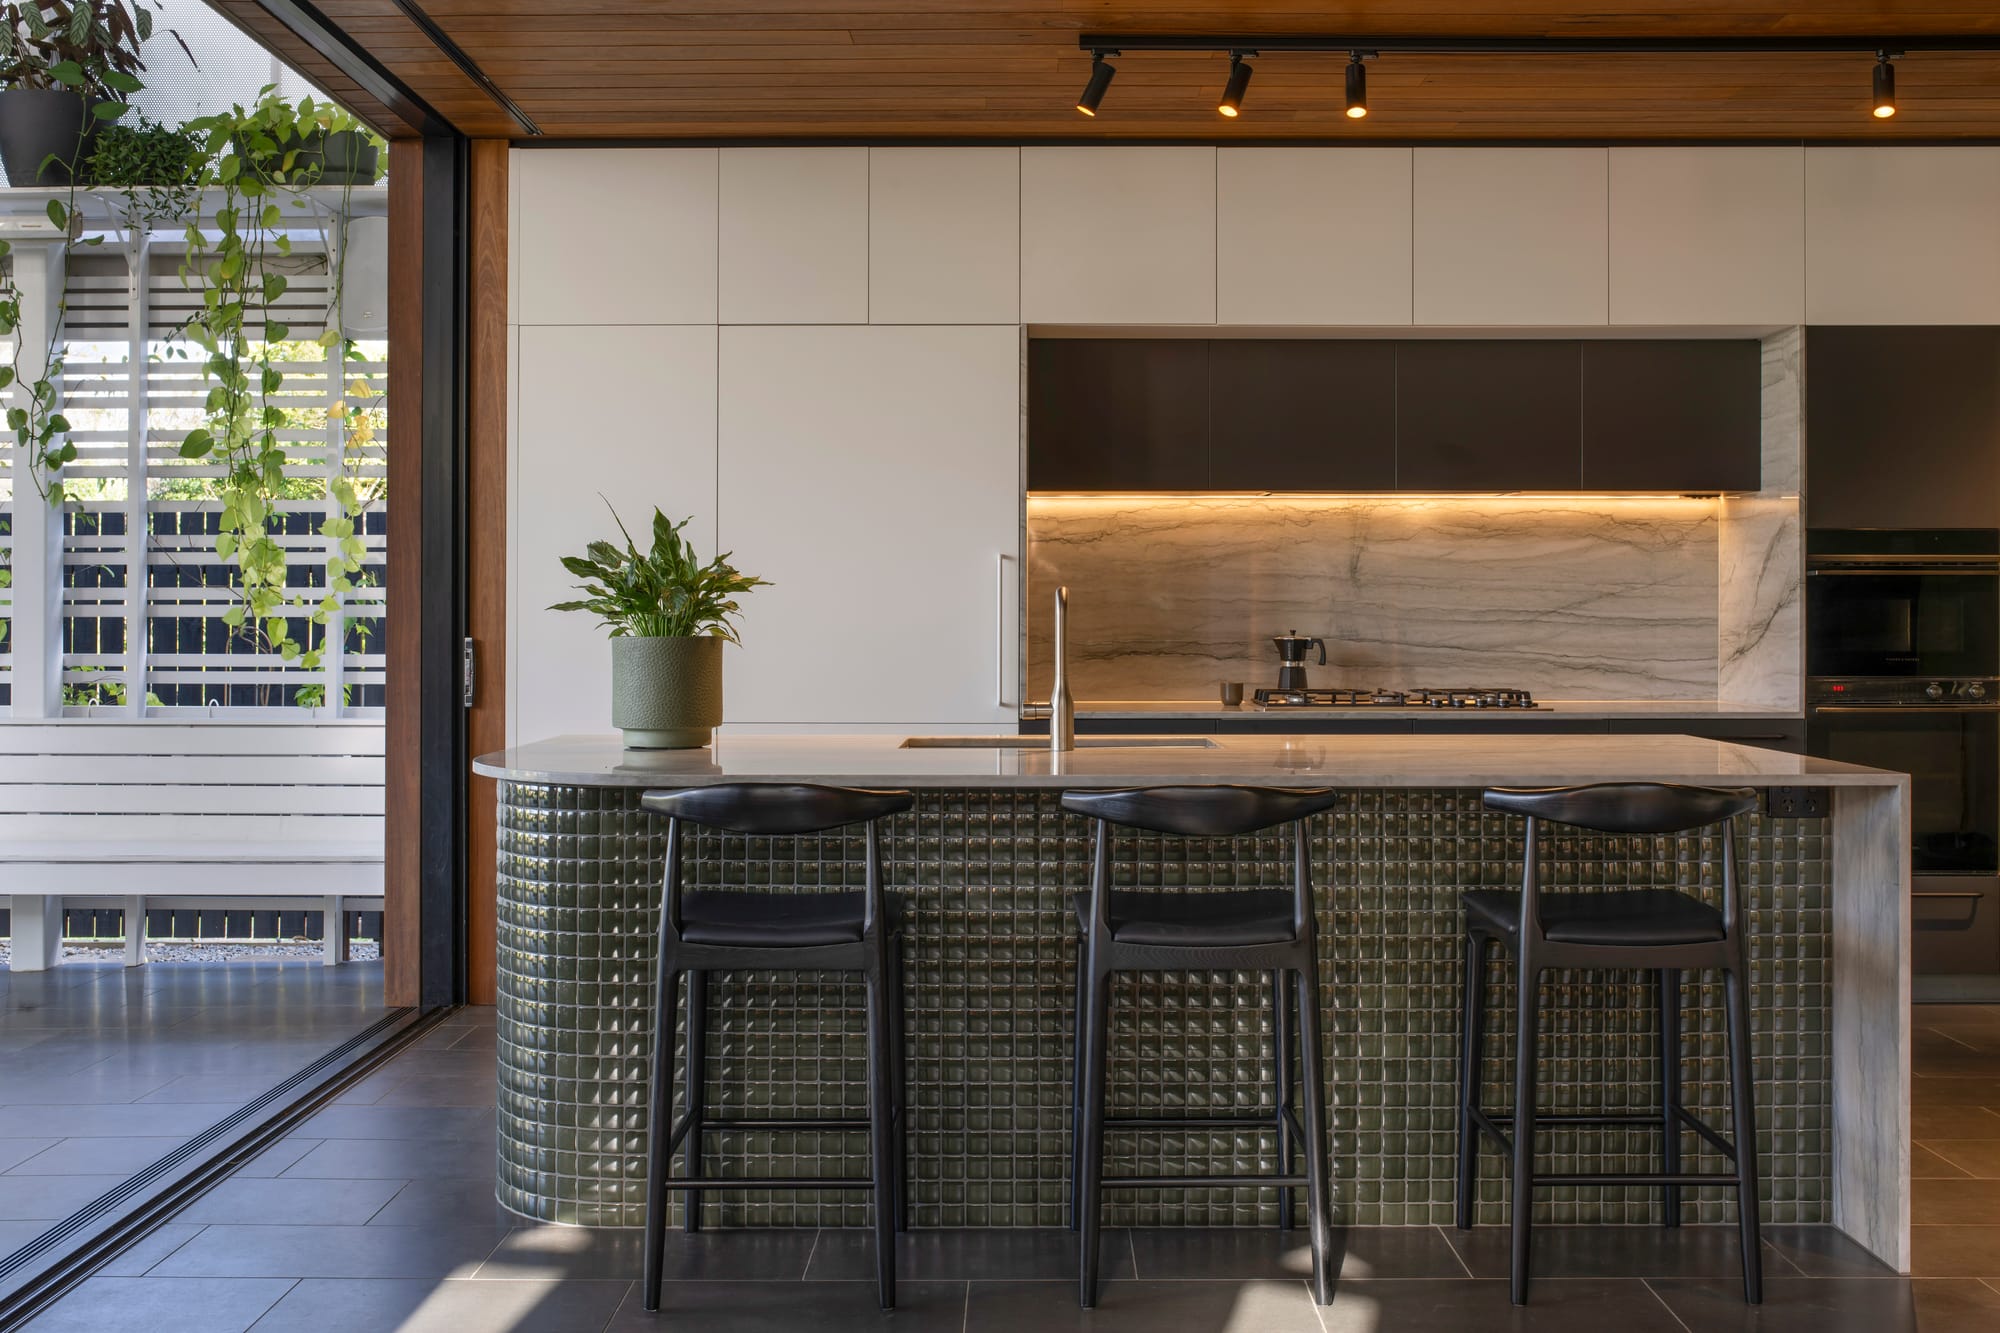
(613, 236)
(1115, 235)
(615, 416)
(794, 244)
(1707, 235)
(1510, 236)
(873, 475)
(1902, 235)
(944, 235)
(1313, 236)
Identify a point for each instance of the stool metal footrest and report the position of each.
(1498, 1125)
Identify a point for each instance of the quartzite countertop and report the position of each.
(1109, 761)
(985, 867)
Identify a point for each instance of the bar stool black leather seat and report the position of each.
(1663, 930)
(718, 930)
(1260, 930)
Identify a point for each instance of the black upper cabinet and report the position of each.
(1488, 416)
(1678, 415)
(1359, 415)
(1127, 414)
(1903, 427)
(1302, 415)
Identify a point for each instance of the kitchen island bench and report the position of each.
(985, 866)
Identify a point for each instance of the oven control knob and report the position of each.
(1934, 690)
(1975, 691)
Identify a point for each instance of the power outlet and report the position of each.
(1796, 802)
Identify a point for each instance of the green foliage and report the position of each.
(107, 693)
(145, 153)
(252, 159)
(92, 47)
(89, 45)
(664, 593)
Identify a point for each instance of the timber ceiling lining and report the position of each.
(1010, 69)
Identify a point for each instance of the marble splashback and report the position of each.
(1573, 598)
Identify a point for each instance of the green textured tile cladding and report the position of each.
(986, 878)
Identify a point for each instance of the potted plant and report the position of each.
(312, 143)
(67, 65)
(668, 615)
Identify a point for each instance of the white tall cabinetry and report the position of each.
(873, 475)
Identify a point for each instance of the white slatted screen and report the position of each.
(144, 593)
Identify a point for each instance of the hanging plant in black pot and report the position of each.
(66, 66)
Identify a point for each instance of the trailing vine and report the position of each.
(261, 161)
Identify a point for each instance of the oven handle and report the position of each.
(1906, 708)
(1881, 571)
(1946, 893)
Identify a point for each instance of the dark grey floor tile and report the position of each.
(50, 1196)
(1953, 1122)
(397, 1159)
(109, 1121)
(13, 1152)
(16, 1233)
(419, 1306)
(1605, 1252)
(75, 1157)
(1948, 1306)
(288, 1199)
(1827, 1252)
(1555, 1305)
(162, 1305)
(579, 1252)
(1955, 1202)
(847, 1254)
(95, 1084)
(1250, 1306)
(1795, 1305)
(274, 1159)
(212, 1088)
(1241, 1252)
(442, 1090)
(327, 1251)
(149, 1249)
(457, 1201)
(796, 1307)
(399, 1122)
(1955, 1251)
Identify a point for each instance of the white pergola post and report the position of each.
(37, 539)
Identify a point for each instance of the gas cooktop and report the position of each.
(1514, 700)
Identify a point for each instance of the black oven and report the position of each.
(1899, 603)
(1903, 667)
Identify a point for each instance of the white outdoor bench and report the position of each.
(201, 813)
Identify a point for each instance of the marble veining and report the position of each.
(1573, 598)
(1760, 637)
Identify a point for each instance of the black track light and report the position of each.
(1239, 80)
(1885, 86)
(1101, 71)
(1357, 87)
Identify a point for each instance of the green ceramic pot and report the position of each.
(666, 694)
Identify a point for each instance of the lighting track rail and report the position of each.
(1104, 46)
(1575, 46)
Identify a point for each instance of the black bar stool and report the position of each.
(717, 930)
(1254, 930)
(1663, 930)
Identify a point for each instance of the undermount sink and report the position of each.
(1042, 742)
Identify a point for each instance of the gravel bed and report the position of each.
(220, 951)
